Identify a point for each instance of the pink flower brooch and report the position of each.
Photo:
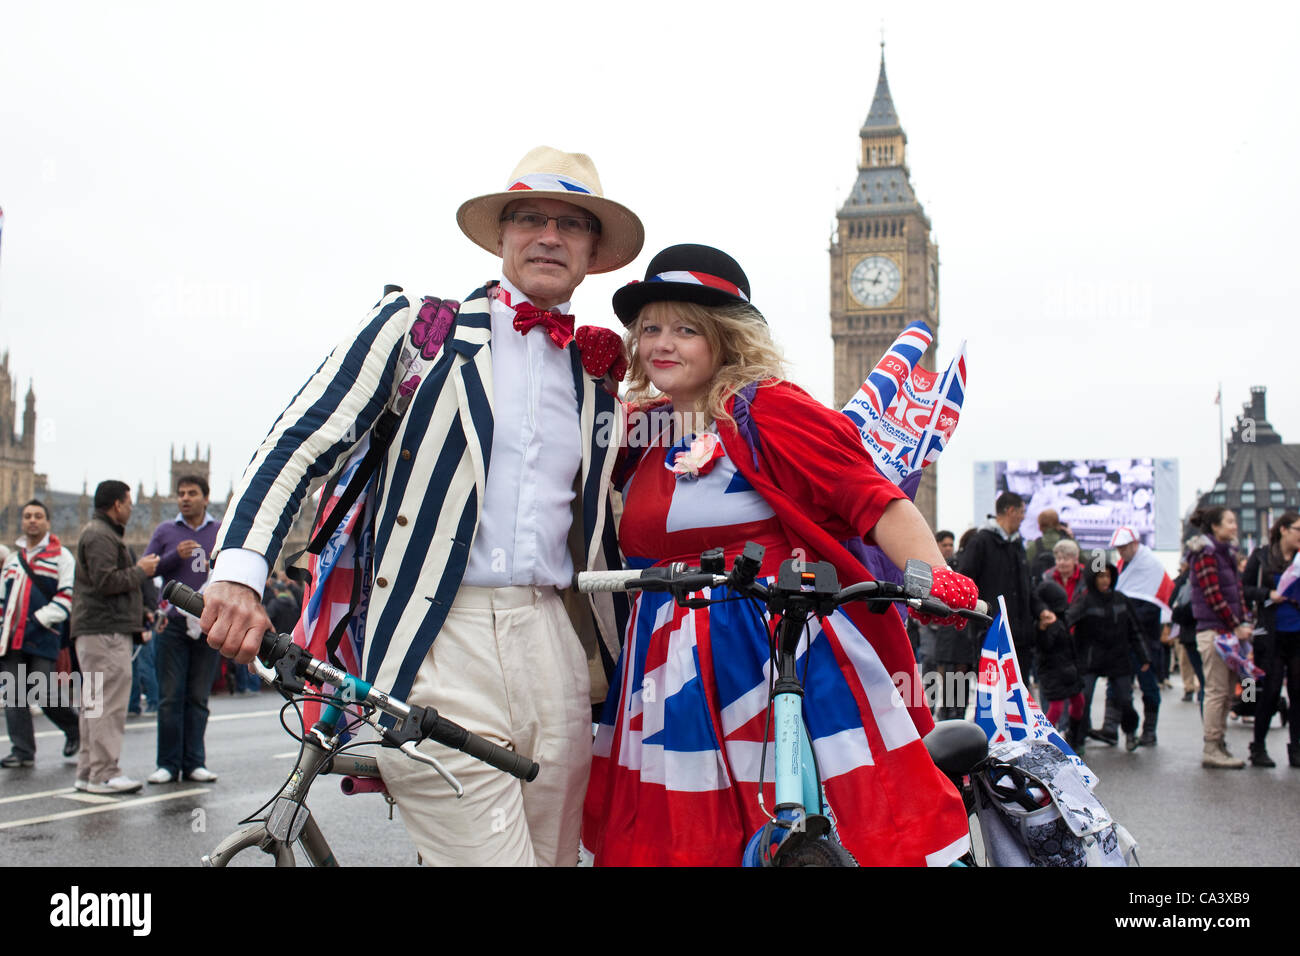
(693, 457)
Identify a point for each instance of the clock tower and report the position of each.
(884, 268)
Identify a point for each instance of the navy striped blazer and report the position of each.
(433, 477)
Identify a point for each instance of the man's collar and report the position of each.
(103, 516)
(508, 294)
(44, 543)
(207, 520)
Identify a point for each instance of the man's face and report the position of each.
(35, 524)
(1126, 551)
(192, 501)
(1102, 582)
(946, 548)
(1012, 518)
(121, 510)
(545, 264)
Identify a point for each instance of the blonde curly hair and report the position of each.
(741, 344)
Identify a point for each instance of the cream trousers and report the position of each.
(506, 666)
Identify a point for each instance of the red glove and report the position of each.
(955, 590)
(602, 351)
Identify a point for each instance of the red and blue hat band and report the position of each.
(700, 278)
(550, 182)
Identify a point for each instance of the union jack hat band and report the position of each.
(547, 173)
(700, 278)
(687, 273)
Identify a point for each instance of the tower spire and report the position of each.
(882, 114)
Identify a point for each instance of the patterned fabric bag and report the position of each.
(1035, 810)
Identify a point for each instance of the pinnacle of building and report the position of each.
(882, 115)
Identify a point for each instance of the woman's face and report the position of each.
(1291, 537)
(675, 355)
(1102, 582)
(1226, 529)
(1065, 565)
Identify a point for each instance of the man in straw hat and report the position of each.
(493, 491)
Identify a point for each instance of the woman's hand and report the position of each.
(955, 590)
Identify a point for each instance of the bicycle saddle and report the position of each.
(957, 747)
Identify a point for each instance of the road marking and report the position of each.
(115, 805)
(152, 725)
(35, 796)
(89, 797)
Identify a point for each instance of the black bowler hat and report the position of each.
(686, 273)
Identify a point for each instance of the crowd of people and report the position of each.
(1222, 625)
(97, 614)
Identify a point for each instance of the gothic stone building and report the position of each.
(1260, 477)
(18, 478)
(884, 266)
(70, 510)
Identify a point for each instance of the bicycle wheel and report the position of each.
(802, 850)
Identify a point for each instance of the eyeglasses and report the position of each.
(569, 225)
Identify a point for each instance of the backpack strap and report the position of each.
(43, 584)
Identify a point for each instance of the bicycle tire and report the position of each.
(815, 851)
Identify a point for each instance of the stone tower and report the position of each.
(17, 453)
(198, 465)
(884, 267)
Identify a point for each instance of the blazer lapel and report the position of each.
(472, 377)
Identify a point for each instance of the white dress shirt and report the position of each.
(523, 528)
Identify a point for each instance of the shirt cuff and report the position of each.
(242, 567)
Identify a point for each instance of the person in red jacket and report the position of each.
(743, 455)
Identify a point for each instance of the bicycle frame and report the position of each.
(796, 784)
(290, 820)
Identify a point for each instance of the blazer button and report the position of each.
(401, 519)
(382, 582)
(406, 454)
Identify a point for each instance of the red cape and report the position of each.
(810, 466)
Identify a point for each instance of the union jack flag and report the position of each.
(906, 413)
(685, 754)
(1004, 708)
(339, 581)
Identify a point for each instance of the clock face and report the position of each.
(875, 281)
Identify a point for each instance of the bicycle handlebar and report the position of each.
(681, 579)
(275, 647)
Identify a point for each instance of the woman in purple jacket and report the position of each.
(1216, 601)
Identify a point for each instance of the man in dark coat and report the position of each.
(995, 560)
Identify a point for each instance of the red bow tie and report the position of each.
(558, 326)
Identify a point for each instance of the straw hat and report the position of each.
(547, 173)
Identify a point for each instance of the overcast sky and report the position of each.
(200, 199)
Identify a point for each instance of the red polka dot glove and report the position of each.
(956, 591)
(602, 351)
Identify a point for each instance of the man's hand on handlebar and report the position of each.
(234, 620)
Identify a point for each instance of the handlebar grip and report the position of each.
(981, 607)
(515, 764)
(591, 581)
(451, 734)
(184, 597)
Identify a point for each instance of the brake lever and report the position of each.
(408, 748)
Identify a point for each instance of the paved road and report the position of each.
(1181, 814)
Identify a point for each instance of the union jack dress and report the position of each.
(677, 754)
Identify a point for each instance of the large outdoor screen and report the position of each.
(1092, 496)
